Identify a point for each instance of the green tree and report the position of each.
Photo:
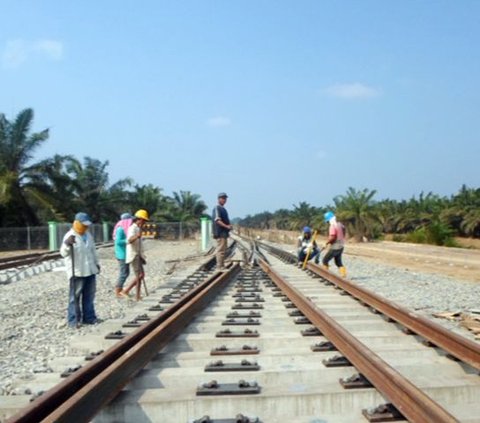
(92, 192)
(418, 213)
(187, 207)
(462, 213)
(356, 210)
(150, 198)
(53, 188)
(303, 215)
(17, 146)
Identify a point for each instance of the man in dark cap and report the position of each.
(82, 265)
(221, 229)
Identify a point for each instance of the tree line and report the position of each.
(56, 188)
(430, 218)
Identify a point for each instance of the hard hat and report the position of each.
(307, 230)
(328, 216)
(141, 214)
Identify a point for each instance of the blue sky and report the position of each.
(274, 102)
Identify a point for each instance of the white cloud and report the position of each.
(218, 121)
(50, 48)
(353, 90)
(17, 52)
(14, 53)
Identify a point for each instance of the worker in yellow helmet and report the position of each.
(135, 254)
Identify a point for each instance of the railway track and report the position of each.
(13, 266)
(269, 343)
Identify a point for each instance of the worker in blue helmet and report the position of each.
(335, 243)
(307, 246)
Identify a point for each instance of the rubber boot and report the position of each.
(343, 271)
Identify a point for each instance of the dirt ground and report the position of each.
(460, 263)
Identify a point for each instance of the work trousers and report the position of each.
(314, 254)
(124, 273)
(81, 300)
(335, 254)
(220, 252)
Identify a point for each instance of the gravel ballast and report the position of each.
(33, 328)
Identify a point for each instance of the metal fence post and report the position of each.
(52, 236)
(205, 232)
(105, 231)
(29, 241)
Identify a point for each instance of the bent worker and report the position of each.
(81, 261)
(307, 247)
(135, 254)
(335, 243)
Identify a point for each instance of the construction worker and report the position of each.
(307, 246)
(82, 266)
(135, 255)
(221, 229)
(119, 237)
(335, 243)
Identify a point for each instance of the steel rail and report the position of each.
(34, 258)
(458, 346)
(86, 391)
(412, 403)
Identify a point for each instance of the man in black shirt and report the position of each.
(221, 229)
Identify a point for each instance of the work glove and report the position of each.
(70, 240)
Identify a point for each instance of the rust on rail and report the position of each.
(414, 404)
(458, 346)
(86, 391)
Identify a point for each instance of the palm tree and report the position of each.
(471, 223)
(355, 209)
(53, 188)
(419, 213)
(17, 146)
(188, 207)
(150, 198)
(280, 219)
(386, 212)
(302, 215)
(462, 212)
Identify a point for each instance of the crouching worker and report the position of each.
(307, 246)
(81, 261)
(135, 255)
(335, 243)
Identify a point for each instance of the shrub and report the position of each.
(398, 238)
(435, 233)
(418, 236)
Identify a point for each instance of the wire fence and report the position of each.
(38, 237)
